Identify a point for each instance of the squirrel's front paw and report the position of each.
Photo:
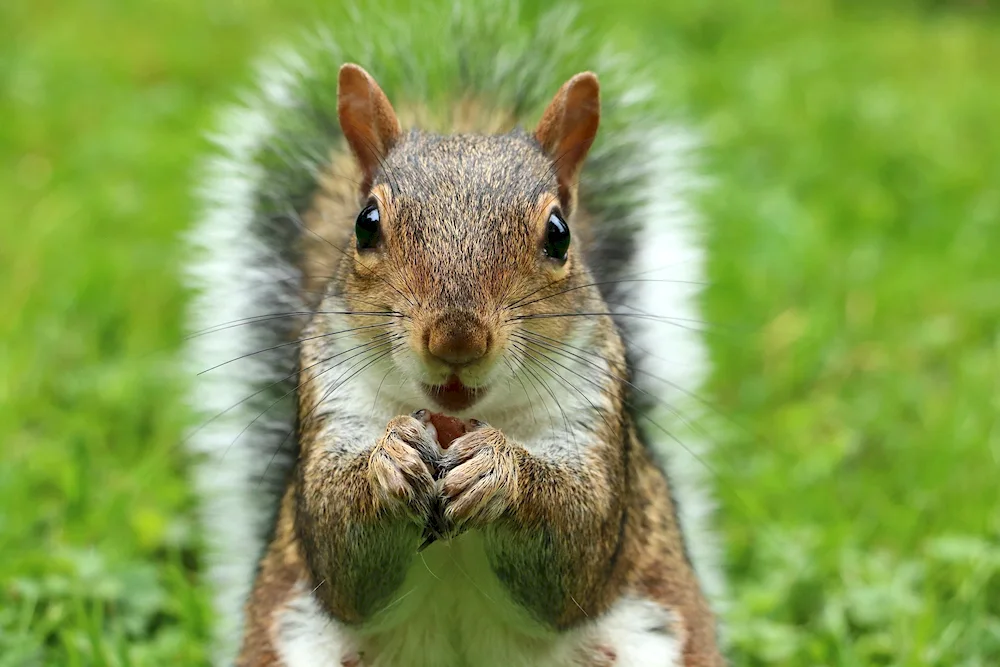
(401, 467)
(477, 478)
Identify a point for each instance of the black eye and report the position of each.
(556, 237)
(367, 229)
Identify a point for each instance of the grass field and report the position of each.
(854, 229)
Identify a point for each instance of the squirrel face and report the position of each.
(461, 233)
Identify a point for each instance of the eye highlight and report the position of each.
(556, 237)
(368, 228)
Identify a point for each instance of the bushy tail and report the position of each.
(246, 298)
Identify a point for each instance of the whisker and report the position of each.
(294, 313)
(605, 282)
(625, 277)
(398, 600)
(296, 279)
(673, 385)
(552, 348)
(256, 393)
(349, 298)
(601, 301)
(534, 385)
(513, 373)
(670, 435)
(364, 347)
(461, 569)
(590, 380)
(379, 391)
(569, 384)
(536, 347)
(716, 409)
(514, 305)
(293, 342)
(674, 321)
(719, 327)
(569, 432)
(426, 566)
(322, 399)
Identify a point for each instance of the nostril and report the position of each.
(458, 340)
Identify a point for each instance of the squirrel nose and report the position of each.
(458, 339)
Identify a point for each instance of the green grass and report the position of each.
(855, 274)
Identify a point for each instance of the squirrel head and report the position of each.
(465, 234)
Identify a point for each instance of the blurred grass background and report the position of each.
(854, 230)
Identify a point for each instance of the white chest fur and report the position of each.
(453, 612)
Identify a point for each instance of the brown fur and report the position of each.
(568, 127)
(660, 568)
(462, 219)
(367, 120)
(281, 568)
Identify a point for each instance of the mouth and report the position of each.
(454, 396)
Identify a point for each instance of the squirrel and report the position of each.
(362, 269)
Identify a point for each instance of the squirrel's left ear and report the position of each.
(568, 128)
(367, 120)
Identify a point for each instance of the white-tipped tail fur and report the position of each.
(673, 359)
(236, 279)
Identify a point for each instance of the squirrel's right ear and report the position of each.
(568, 128)
(367, 120)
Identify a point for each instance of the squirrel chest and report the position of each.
(452, 610)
